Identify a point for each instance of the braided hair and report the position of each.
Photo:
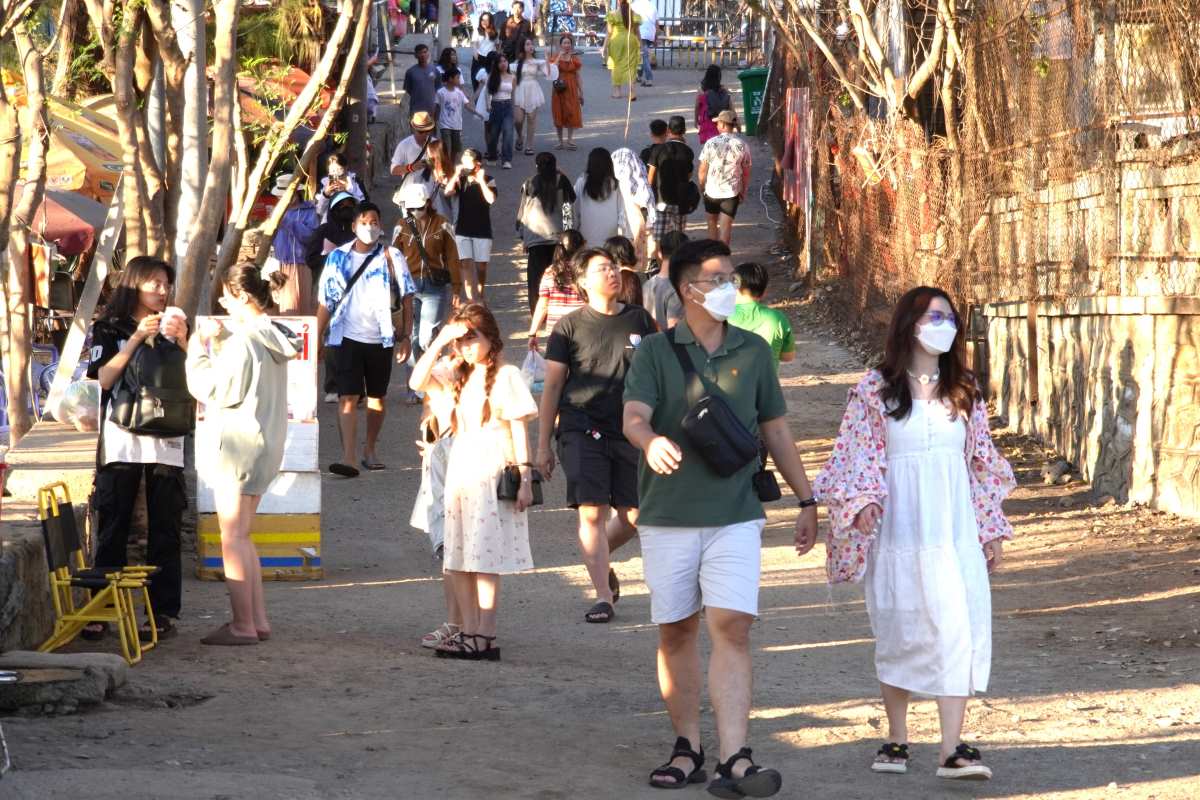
(478, 318)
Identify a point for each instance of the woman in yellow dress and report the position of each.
(623, 50)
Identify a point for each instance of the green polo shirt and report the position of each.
(694, 496)
(767, 323)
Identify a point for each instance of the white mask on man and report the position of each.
(367, 234)
(721, 302)
(937, 338)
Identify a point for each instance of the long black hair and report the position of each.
(600, 179)
(956, 381)
(521, 57)
(711, 81)
(562, 268)
(547, 183)
(124, 300)
(494, 71)
(444, 59)
(490, 30)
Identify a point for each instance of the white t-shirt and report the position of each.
(451, 102)
(649, 26)
(132, 448)
(484, 46)
(407, 151)
(361, 324)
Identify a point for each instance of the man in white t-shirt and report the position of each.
(409, 155)
(724, 176)
(648, 32)
(359, 287)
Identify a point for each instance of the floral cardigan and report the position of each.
(855, 477)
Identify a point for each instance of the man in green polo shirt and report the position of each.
(701, 534)
(751, 315)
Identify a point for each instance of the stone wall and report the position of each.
(1118, 390)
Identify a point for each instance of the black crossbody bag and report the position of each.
(710, 424)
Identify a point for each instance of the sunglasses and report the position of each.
(938, 317)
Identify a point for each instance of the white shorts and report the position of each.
(686, 568)
(474, 249)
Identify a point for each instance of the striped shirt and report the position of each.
(559, 302)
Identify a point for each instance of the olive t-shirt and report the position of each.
(743, 371)
(597, 349)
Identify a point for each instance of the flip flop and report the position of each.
(263, 635)
(373, 466)
(614, 584)
(223, 637)
(345, 470)
(601, 612)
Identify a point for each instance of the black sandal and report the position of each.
(757, 782)
(953, 770)
(683, 749)
(488, 653)
(166, 629)
(601, 612)
(891, 750)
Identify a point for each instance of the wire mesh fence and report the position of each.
(1011, 150)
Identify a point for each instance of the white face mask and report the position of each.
(938, 338)
(367, 234)
(720, 302)
(335, 171)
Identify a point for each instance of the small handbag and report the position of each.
(559, 85)
(510, 484)
(710, 424)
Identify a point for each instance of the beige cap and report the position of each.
(728, 117)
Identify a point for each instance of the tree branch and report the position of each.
(922, 74)
(855, 93)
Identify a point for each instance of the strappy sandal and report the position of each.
(443, 632)
(600, 612)
(456, 647)
(166, 629)
(487, 653)
(683, 749)
(885, 759)
(951, 769)
(528, 151)
(572, 146)
(757, 782)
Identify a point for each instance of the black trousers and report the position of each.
(541, 256)
(166, 498)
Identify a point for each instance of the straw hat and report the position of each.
(422, 121)
(282, 182)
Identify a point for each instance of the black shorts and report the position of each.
(726, 205)
(357, 365)
(600, 471)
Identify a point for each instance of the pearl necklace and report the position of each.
(925, 380)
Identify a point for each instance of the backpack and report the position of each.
(151, 398)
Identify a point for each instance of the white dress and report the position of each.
(482, 533)
(528, 95)
(927, 585)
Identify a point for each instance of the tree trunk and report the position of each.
(10, 163)
(74, 23)
(309, 157)
(20, 294)
(137, 237)
(187, 18)
(279, 135)
(202, 238)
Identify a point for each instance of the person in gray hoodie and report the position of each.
(239, 373)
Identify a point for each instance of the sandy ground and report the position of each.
(1093, 691)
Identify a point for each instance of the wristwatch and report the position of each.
(809, 503)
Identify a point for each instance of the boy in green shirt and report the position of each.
(751, 315)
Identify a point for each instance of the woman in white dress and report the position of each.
(528, 97)
(599, 204)
(484, 537)
(914, 489)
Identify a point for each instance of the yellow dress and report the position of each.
(624, 48)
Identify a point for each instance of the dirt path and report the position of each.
(1093, 679)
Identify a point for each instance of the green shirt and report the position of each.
(767, 323)
(694, 496)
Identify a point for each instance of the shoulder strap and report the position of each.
(412, 226)
(354, 278)
(695, 383)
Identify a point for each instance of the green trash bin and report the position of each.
(754, 86)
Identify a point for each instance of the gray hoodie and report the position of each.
(243, 386)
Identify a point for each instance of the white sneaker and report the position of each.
(330, 397)
(507, 165)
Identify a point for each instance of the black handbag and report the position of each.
(559, 85)
(710, 424)
(151, 397)
(691, 199)
(510, 484)
(766, 488)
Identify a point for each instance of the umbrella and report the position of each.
(70, 221)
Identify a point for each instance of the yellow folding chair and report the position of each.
(111, 593)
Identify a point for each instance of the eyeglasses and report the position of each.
(602, 267)
(938, 317)
(717, 281)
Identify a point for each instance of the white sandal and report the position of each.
(952, 769)
(444, 632)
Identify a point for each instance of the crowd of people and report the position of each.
(661, 402)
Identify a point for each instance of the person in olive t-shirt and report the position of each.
(701, 533)
(588, 354)
(751, 315)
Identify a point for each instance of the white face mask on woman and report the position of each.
(720, 302)
(367, 234)
(937, 337)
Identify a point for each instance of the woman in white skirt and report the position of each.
(914, 489)
(528, 96)
(484, 537)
